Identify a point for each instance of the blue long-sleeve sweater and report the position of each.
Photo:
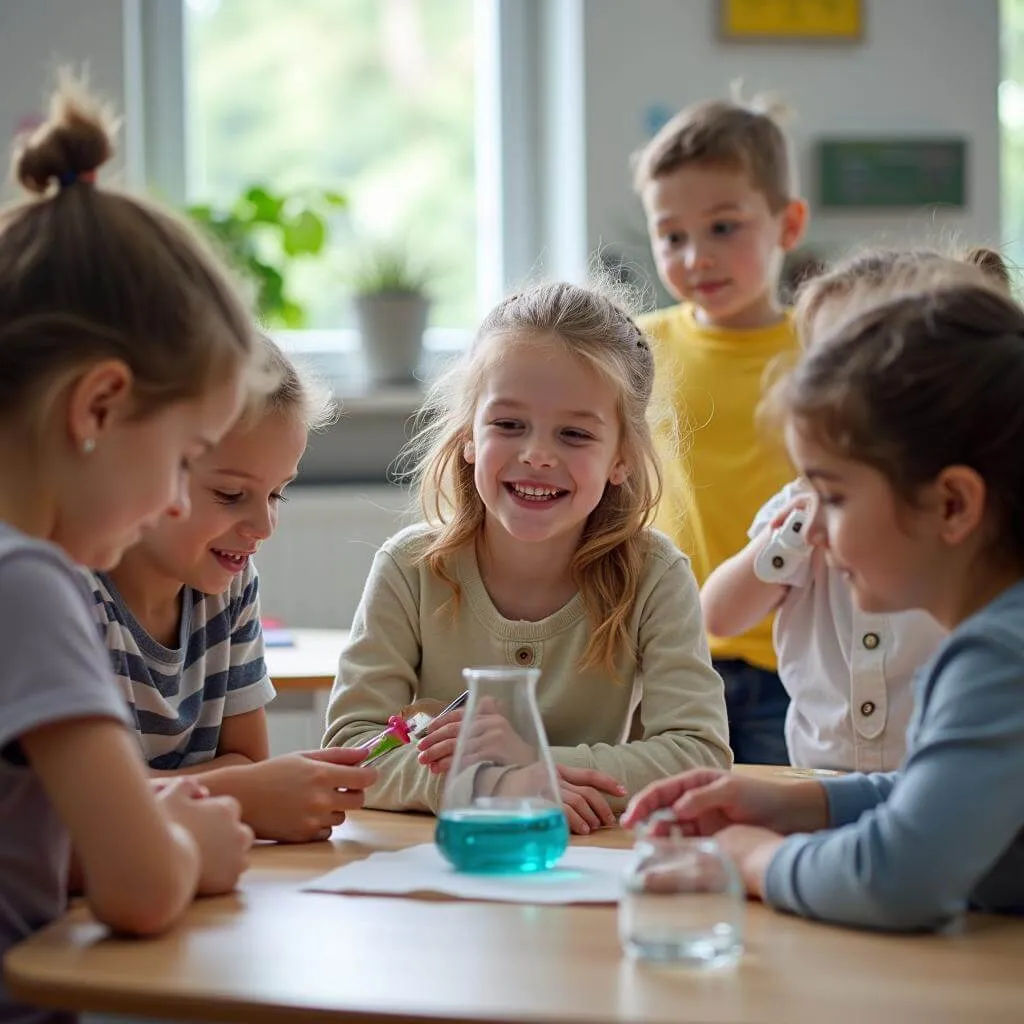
(914, 848)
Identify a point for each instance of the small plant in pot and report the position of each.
(391, 300)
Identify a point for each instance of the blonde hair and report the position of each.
(89, 274)
(609, 562)
(881, 269)
(738, 135)
(290, 388)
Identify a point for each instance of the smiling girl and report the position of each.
(181, 618)
(537, 481)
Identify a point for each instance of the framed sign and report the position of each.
(858, 173)
(822, 21)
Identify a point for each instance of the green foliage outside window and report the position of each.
(372, 99)
(263, 235)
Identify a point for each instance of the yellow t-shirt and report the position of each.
(723, 467)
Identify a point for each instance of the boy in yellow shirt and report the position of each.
(718, 192)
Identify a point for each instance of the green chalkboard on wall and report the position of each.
(858, 173)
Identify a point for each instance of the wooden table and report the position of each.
(311, 664)
(272, 953)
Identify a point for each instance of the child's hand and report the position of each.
(707, 800)
(299, 798)
(196, 788)
(214, 822)
(493, 740)
(751, 849)
(803, 502)
(582, 791)
(583, 798)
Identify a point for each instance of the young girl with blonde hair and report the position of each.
(538, 481)
(123, 356)
(848, 672)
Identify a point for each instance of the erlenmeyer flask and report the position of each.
(502, 807)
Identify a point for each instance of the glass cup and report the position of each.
(683, 901)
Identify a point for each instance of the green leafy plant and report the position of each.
(388, 268)
(262, 233)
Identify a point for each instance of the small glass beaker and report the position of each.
(501, 811)
(683, 901)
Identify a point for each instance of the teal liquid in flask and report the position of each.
(501, 812)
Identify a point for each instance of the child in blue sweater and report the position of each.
(909, 423)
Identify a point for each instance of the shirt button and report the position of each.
(524, 655)
(871, 640)
(867, 709)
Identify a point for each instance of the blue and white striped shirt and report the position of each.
(180, 696)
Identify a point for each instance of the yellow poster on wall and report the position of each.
(780, 20)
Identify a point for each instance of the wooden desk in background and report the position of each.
(271, 953)
(310, 664)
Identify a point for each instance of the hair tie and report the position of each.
(70, 177)
(641, 340)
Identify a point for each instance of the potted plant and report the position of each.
(391, 302)
(261, 233)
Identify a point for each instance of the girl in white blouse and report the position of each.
(848, 672)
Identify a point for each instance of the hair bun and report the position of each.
(74, 140)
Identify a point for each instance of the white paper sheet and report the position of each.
(585, 874)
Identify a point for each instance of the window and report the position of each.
(374, 99)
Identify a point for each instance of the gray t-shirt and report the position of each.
(54, 667)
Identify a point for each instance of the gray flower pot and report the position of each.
(391, 327)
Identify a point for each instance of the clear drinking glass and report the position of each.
(502, 810)
(683, 900)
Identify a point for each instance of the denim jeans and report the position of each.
(756, 703)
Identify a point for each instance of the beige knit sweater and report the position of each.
(407, 643)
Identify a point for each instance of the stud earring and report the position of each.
(89, 446)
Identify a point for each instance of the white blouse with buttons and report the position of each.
(848, 672)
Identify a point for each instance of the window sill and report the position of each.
(336, 355)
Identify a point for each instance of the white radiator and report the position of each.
(313, 569)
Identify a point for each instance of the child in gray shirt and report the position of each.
(49, 675)
(123, 354)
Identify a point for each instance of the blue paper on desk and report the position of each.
(585, 874)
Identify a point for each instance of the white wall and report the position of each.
(313, 569)
(926, 67)
(37, 36)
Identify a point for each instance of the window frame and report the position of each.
(506, 154)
